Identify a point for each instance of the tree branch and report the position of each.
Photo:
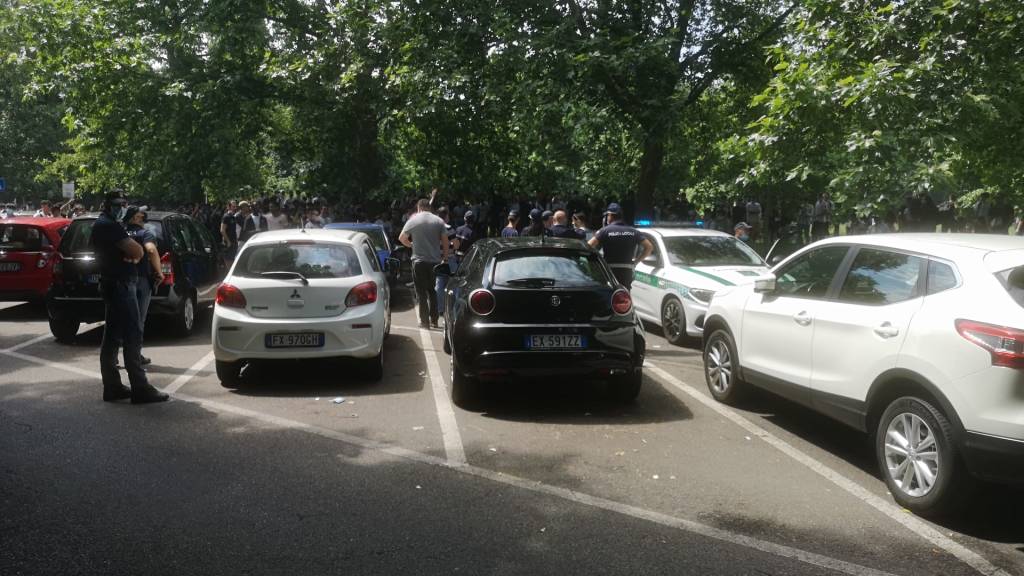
(581, 21)
(713, 45)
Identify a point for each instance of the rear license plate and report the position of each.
(297, 340)
(555, 342)
(10, 266)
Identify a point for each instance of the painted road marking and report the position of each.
(913, 523)
(445, 412)
(189, 374)
(28, 343)
(555, 491)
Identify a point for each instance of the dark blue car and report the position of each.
(381, 244)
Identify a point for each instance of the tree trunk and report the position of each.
(650, 169)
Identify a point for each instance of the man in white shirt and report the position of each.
(277, 220)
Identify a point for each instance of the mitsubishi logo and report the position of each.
(295, 295)
(556, 301)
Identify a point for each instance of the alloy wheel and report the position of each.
(911, 454)
(672, 321)
(189, 314)
(719, 366)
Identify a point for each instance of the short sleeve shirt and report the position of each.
(425, 231)
(509, 232)
(142, 235)
(619, 242)
(106, 233)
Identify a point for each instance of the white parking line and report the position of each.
(913, 523)
(189, 374)
(28, 343)
(445, 413)
(563, 493)
(49, 364)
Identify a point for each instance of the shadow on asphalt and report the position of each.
(21, 312)
(404, 373)
(584, 403)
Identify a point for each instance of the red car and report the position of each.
(28, 250)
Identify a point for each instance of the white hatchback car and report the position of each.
(294, 294)
(917, 338)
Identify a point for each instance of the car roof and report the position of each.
(937, 244)
(37, 221)
(672, 232)
(272, 236)
(154, 215)
(354, 226)
(505, 244)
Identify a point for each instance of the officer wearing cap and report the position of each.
(149, 272)
(118, 257)
(619, 242)
(536, 227)
(742, 231)
(511, 230)
(465, 235)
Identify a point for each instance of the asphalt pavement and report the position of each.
(308, 469)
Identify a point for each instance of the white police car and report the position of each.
(674, 285)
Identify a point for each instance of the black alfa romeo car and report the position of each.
(524, 308)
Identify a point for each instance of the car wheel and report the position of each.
(373, 368)
(64, 328)
(673, 321)
(626, 388)
(721, 368)
(184, 321)
(229, 373)
(465, 389)
(919, 460)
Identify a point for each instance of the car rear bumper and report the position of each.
(91, 308)
(545, 364)
(994, 458)
(357, 333)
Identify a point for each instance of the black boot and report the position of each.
(148, 395)
(115, 394)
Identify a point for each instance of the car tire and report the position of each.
(64, 328)
(183, 323)
(721, 368)
(373, 368)
(930, 483)
(465, 389)
(626, 388)
(229, 373)
(673, 321)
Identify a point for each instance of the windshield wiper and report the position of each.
(286, 275)
(531, 282)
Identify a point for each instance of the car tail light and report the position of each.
(168, 271)
(622, 302)
(1006, 345)
(43, 259)
(230, 296)
(481, 302)
(365, 293)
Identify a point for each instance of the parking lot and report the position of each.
(308, 469)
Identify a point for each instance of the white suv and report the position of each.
(917, 338)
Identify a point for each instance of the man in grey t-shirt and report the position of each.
(427, 235)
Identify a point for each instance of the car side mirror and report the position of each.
(652, 260)
(400, 252)
(442, 269)
(764, 284)
(392, 265)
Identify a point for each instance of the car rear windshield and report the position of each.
(78, 238)
(1013, 281)
(710, 251)
(22, 238)
(312, 260)
(546, 269)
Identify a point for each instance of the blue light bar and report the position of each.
(643, 222)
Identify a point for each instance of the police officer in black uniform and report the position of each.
(619, 241)
(118, 257)
(465, 235)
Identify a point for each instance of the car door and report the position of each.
(377, 272)
(778, 326)
(187, 251)
(859, 333)
(645, 290)
(213, 268)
